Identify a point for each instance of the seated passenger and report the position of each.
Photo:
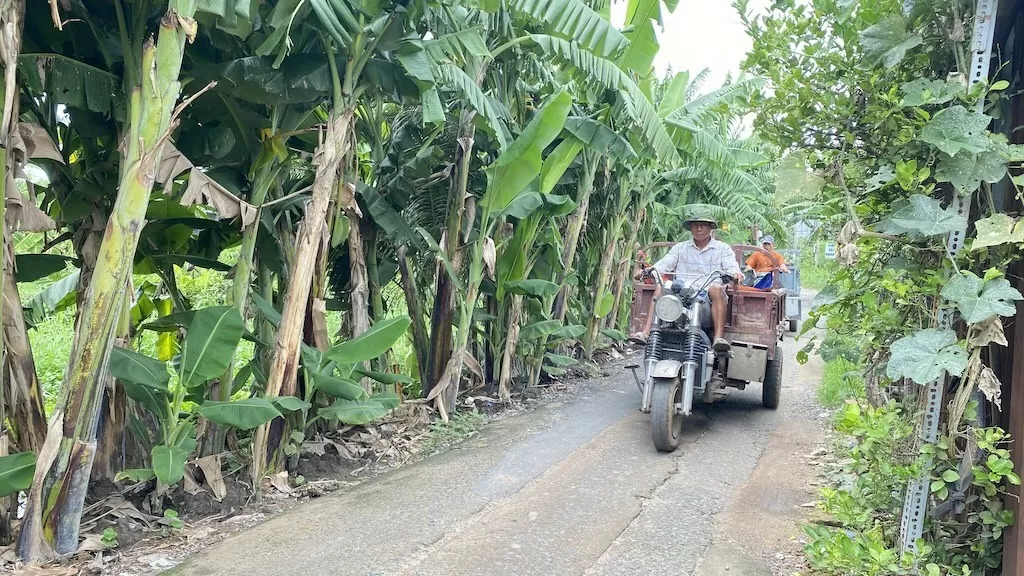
(759, 263)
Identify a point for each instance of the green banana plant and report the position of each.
(212, 336)
(508, 178)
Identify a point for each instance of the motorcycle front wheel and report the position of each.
(666, 423)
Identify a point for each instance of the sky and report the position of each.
(699, 34)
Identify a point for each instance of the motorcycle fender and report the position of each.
(667, 369)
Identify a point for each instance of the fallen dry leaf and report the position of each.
(36, 570)
(91, 543)
(280, 481)
(211, 467)
(191, 484)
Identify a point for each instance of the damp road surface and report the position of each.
(574, 487)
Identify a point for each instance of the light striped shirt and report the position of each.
(694, 266)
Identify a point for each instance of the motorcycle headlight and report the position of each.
(669, 308)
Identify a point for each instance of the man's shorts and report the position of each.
(706, 321)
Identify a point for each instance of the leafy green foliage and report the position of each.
(513, 171)
(888, 41)
(372, 343)
(923, 91)
(925, 216)
(996, 230)
(840, 381)
(32, 267)
(290, 404)
(169, 463)
(212, 336)
(926, 355)
(534, 287)
(599, 138)
(539, 329)
(342, 388)
(608, 75)
(109, 538)
(794, 180)
(967, 171)
(979, 299)
(241, 414)
(16, 472)
(954, 129)
(574, 20)
(356, 412)
(889, 159)
(135, 368)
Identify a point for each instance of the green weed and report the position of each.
(840, 381)
(460, 426)
(815, 276)
(109, 538)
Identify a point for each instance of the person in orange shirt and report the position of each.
(759, 263)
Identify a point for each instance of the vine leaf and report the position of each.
(888, 41)
(923, 215)
(996, 230)
(967, 171)
(881, 179)
(980, 299)
(925, 355)
(956, 129)
(927, 91)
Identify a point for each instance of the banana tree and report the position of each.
(603, 299)
(61, 480)
(518, 258)
(11, 19)
(508, 177)
(356, 35)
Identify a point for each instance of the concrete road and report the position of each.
(574, 487)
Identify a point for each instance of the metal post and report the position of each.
(916, 500)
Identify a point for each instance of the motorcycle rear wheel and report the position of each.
(666, 424)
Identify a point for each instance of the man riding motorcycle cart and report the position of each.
(694, 262)
(698, 343)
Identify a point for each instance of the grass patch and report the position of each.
(840, 381)
(815, 276)
(52, 338)
(459, 427)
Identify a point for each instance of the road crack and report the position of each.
(652, 495)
